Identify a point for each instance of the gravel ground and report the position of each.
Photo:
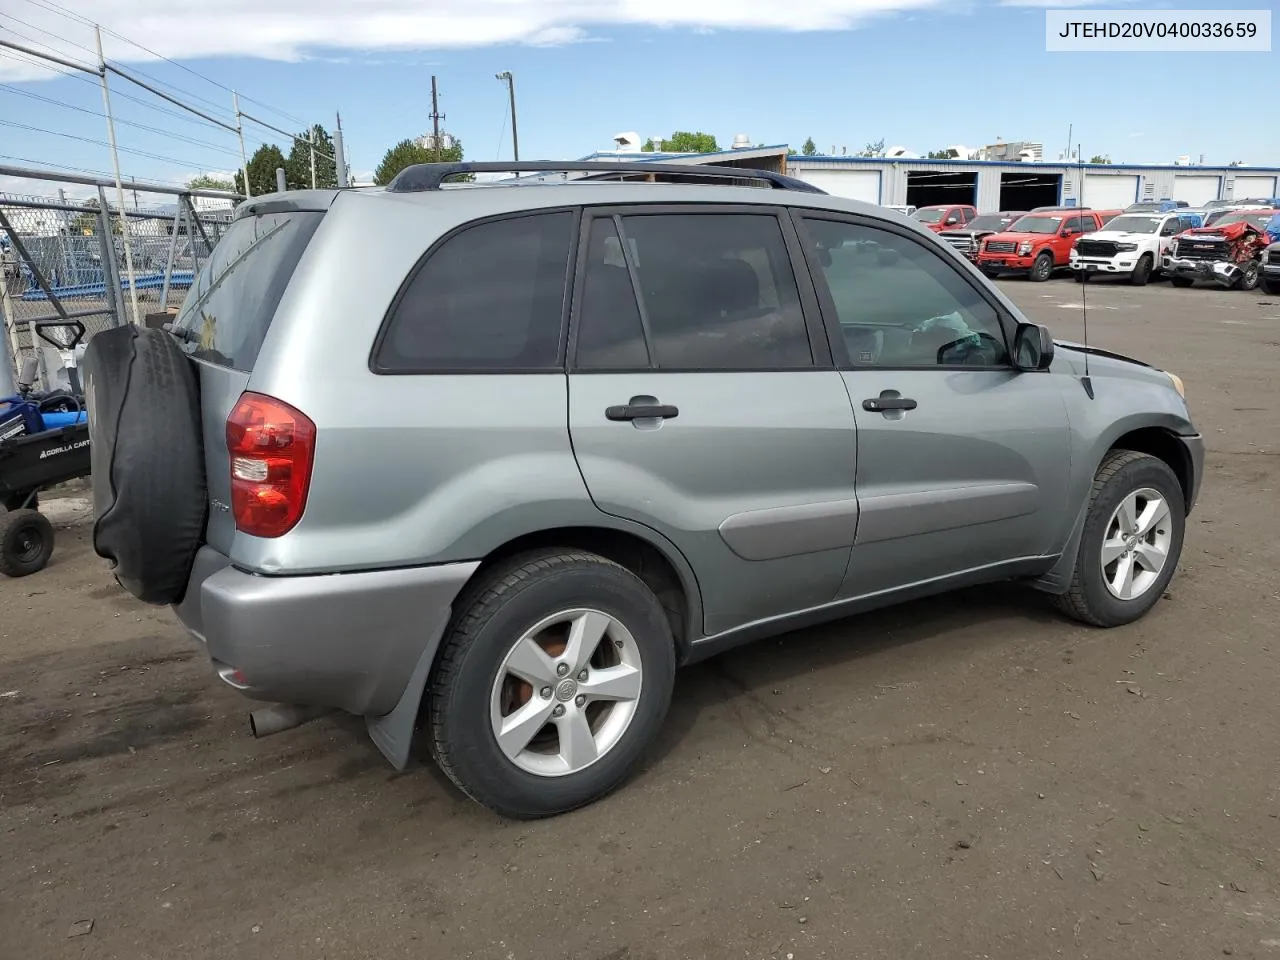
(970, 776)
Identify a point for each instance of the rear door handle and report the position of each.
(880, 404)
(641, 411)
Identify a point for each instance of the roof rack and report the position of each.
(430, 176)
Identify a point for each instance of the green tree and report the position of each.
(207, 181)
(1099, 158)
(262, 170)
(875, 149)
(809, 148)
(406, 153)
(297, 167)
(682, 141)
(951, 153)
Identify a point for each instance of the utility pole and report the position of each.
(436, 117)
(115, 164)
(311, 139)
(511, 91)
(244, 159)
(339, 154)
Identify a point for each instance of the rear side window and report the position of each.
(229, 307)
(489, 298)
(716, 291)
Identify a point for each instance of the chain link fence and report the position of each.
(64, 257)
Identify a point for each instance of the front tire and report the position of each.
(1182, 282)
(1251, 274)
(1271, 287)
(1131, 542)
(1142, 272)
(1042, 268)
(553, 680)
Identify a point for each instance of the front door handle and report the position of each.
(882, 403)
(641, 411)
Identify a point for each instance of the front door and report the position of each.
(962, 460)
(703, 403)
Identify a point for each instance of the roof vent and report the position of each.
(742, 142)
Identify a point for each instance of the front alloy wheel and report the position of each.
(1136, 546)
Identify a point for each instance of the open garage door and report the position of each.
(1026, 191)
(1249, 188)
(926, 188)
(1109, 191)
(1196, 188)
(854, 184)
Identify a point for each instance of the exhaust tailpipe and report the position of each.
(282, 716)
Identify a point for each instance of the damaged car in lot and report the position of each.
(1229, 253)
(968, 239)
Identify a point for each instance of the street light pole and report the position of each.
(511, 91)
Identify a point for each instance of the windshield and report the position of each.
(929, 214)
(1030, 224)
(1128, 224)
(1210, 204)
(990, 221)
(1259, 220)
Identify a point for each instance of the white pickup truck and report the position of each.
(1131, 245)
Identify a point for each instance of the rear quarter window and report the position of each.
(489, 298)
(228, 310)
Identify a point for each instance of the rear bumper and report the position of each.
(1194, 446)
(347, 640)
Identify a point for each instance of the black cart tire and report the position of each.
(26, 542)
(1181, 282)
(1142, 272)
(147, 456)
(1136, 513)
(1042, 267)
(490, 673)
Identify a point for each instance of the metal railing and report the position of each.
(66, 257)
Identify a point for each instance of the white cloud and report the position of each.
(296, 29)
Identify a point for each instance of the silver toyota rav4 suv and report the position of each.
(489, 461)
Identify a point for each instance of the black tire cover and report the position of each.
(147, 455)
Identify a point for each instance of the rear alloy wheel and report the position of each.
(26, 542)
(1142, 272)
(1182, 282)
(1042, 267)
(1131, 542)
(1250, 274)
(554, 678)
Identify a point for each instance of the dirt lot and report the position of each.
(966, 777)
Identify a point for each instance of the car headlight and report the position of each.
(1126, 247)
(1024, 248)
(1173, 249)
(1177, 384)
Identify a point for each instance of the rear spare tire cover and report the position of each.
(147, 457)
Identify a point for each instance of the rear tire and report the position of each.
(499, 662)
(1136, 516)
(1042, 268)
(1182, 282)
(1142, 272)
(26, 542)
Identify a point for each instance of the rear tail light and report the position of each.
(272, 449)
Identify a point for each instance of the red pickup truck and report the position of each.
(1039, 243)
(943, 216)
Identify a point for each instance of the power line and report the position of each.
(128, 123)
(103, 143)
(10, 16)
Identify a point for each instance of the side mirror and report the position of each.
(1032, 347)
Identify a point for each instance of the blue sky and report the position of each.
(918, 73)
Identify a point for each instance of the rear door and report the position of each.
(963, 462)
(703, 402)
(222, 325)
